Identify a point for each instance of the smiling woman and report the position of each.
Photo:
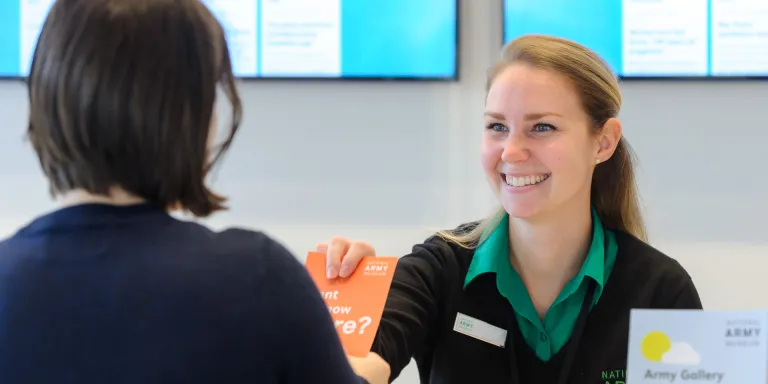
(530, 135)
(540, 291)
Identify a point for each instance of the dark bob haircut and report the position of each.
(122, 95)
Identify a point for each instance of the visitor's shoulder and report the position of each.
(255, 248)
(243, 254)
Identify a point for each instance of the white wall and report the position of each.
(388, 161)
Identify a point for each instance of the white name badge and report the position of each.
(695, 346)
(480, 330)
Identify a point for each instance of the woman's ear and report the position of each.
(608, 140)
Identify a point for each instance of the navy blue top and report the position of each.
(104, 294)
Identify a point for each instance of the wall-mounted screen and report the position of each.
(655, 38)
(394, 39)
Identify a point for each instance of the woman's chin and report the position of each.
(521, 210)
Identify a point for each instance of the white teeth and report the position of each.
(525, 180)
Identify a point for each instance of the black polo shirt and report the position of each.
(470, 334)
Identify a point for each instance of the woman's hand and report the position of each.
(372, 368)
(343, 255)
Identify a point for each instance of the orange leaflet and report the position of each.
(357, 302)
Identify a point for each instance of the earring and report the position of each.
(597, 161)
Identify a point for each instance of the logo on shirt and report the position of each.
(613, 376)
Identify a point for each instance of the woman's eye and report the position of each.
(496, 127)
(543, 127)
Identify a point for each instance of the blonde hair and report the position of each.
(614, 188)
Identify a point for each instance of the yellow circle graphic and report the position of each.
(654, 345)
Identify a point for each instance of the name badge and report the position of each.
(480, 330)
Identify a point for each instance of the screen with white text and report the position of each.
(655, 38)
(295, 38)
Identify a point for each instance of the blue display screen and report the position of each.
(655, 38)
(296, 38)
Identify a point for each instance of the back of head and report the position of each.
(122, 94)
(614, 190)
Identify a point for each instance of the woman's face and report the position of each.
(539, 150)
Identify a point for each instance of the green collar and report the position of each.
(546, 335)
(492, 256)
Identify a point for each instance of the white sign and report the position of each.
(695, 346)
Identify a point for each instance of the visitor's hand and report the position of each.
(343, 255)
(372, 368)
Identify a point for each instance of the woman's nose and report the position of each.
(515, 149)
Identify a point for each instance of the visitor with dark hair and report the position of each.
(110, 288)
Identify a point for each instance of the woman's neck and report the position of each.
(550, 251)
(117, 196)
